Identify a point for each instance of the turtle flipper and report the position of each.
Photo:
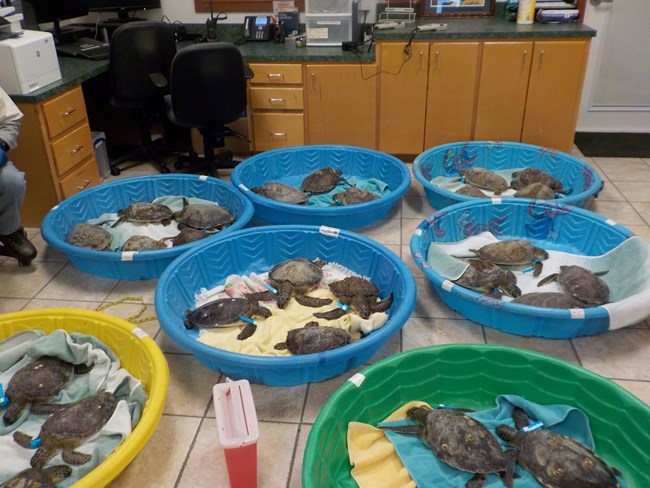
(331, 314)
(361, 305)
(382, 305)
(284, 294)
(314, 302)
(247, 331)
(280, 346)
(261, 296)
(537, 267)
(477, 481)
(509, 474)
(75, 458)
(14, 411)
(520, 418)
(403, 429)
(548, 279)
(260, 311)
(47, 408)
(42, 456)
(58, 473)
(82, 368)
(23, 439)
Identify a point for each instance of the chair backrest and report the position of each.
(137, 49)
(208, 85)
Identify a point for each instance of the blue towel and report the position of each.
(429, 472)
(371, 184)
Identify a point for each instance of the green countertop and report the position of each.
(75, 71)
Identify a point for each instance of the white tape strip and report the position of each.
(55, 207)
(357, 379)
(139, 333)
(447, 285)
(496, 200)
(243, 187)
(329, 231)
(577, 313)
(203, 177)
(418, 232)
(128, 255)
(611, 222)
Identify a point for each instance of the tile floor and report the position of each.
(184, 450)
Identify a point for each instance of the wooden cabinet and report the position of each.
(556, 77)
(56, 153)
(503, 85)
(276, 101)
(403, 87)
(342, 104)
(451, 94)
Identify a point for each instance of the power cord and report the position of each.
(407, 51)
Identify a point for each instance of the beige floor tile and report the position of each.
(279, 404)
(624, 169)
(609, 193)
(415, 207)
(386, 232)
(26, 281)
(640, 230)
(136, 312)
(416, 190)
(296, 471)
(392, 346)
(166, 344)
(643, 208)
(429, 304)
(160, 461)
(190, 385)
(429, 332)
(46, 252)
(634, 191)
(38, 303)
(408, 259)
(144, 289)
(319, 393)
(621, 212)
(12, 304)
(621, 354)
(67, 285)
(640, 389)
(561, 349)
(408, 229)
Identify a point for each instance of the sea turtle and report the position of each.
(39, 478)
(353, 195)
(358, 292)
(89, 236)
(548, 300)
(314, 338)
(525, 177)
(293, 277)
(555, 460)
(489, 278)
(203, 216)
(37, 383)
(461, 442)
(142, 243)
(512, 252)
(145, 213)
(187, 235)
(68, 428)
(226, 312)
(538, 190)
(485, 179)
(322, 180)
(281, 192)
(471, 191)
(581, 284)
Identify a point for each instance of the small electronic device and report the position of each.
(432, 27)
(258, 28)
(390, 25)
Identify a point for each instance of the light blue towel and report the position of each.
(374, 185)
(429, 472)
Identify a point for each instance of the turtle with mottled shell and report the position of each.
(485, 179)
(489, 279)
(226, 312)
(313, 338)
(581, 284)
(539, 191)
(142, 243)
(556, 460)
(187, 235)
(203, 216)
(512, 252)
(281, 192)
(471, 191)
(89, 236)
(359, 293)
(36, 383)
(322, 180)
(548, 300)
(461, 442)
(527, 176)
(353, 196)
(145, 213)
(68, 428)
(49, 477)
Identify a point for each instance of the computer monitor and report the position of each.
(44, 11)
(122, 7)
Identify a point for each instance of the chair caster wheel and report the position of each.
(115, 171)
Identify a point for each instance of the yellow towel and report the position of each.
(373, 457)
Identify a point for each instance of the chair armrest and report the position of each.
(248, 72)
(158, 79)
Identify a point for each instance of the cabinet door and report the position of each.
(554, 90)
(342, 104)
(503, 84)
(402, 88)
(451, 95)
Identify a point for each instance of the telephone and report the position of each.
(258, 28)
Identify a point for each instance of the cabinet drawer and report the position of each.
(64, 111)
(278, 130)
(83, 177)
(276, 73)
(277, 98)
(72, 148)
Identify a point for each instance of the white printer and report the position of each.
(28, 62)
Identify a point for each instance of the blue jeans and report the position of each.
(12, 192)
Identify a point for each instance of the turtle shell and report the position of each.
(548, 300)
(322, 180)
(533, 175)
(309, 340)
(146, 212)
(89, 236)
(510, 252)
(540, 191)
(187, 235)
(38, 477)
(353, 196)
(353, 286)
(218, 313)
(485, 276)
(142, 243)
(281, 192)
(583, 285)
(204, 216)
(471, 191)
(486, 179)
(301, 273)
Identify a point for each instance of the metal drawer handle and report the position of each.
(70, 111)
(77, 149)
(279, 134)
(277, 76)
(86, 183)
(276, 100)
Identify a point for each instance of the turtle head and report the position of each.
(508, 434)
(419, 414)
(541, 253)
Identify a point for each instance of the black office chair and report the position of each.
(208, 91)
(141, 55)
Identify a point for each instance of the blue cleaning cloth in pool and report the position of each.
(371, 184)
(429, 472)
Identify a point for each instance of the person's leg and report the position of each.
(12, 236)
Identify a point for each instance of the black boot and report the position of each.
(16, 245)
